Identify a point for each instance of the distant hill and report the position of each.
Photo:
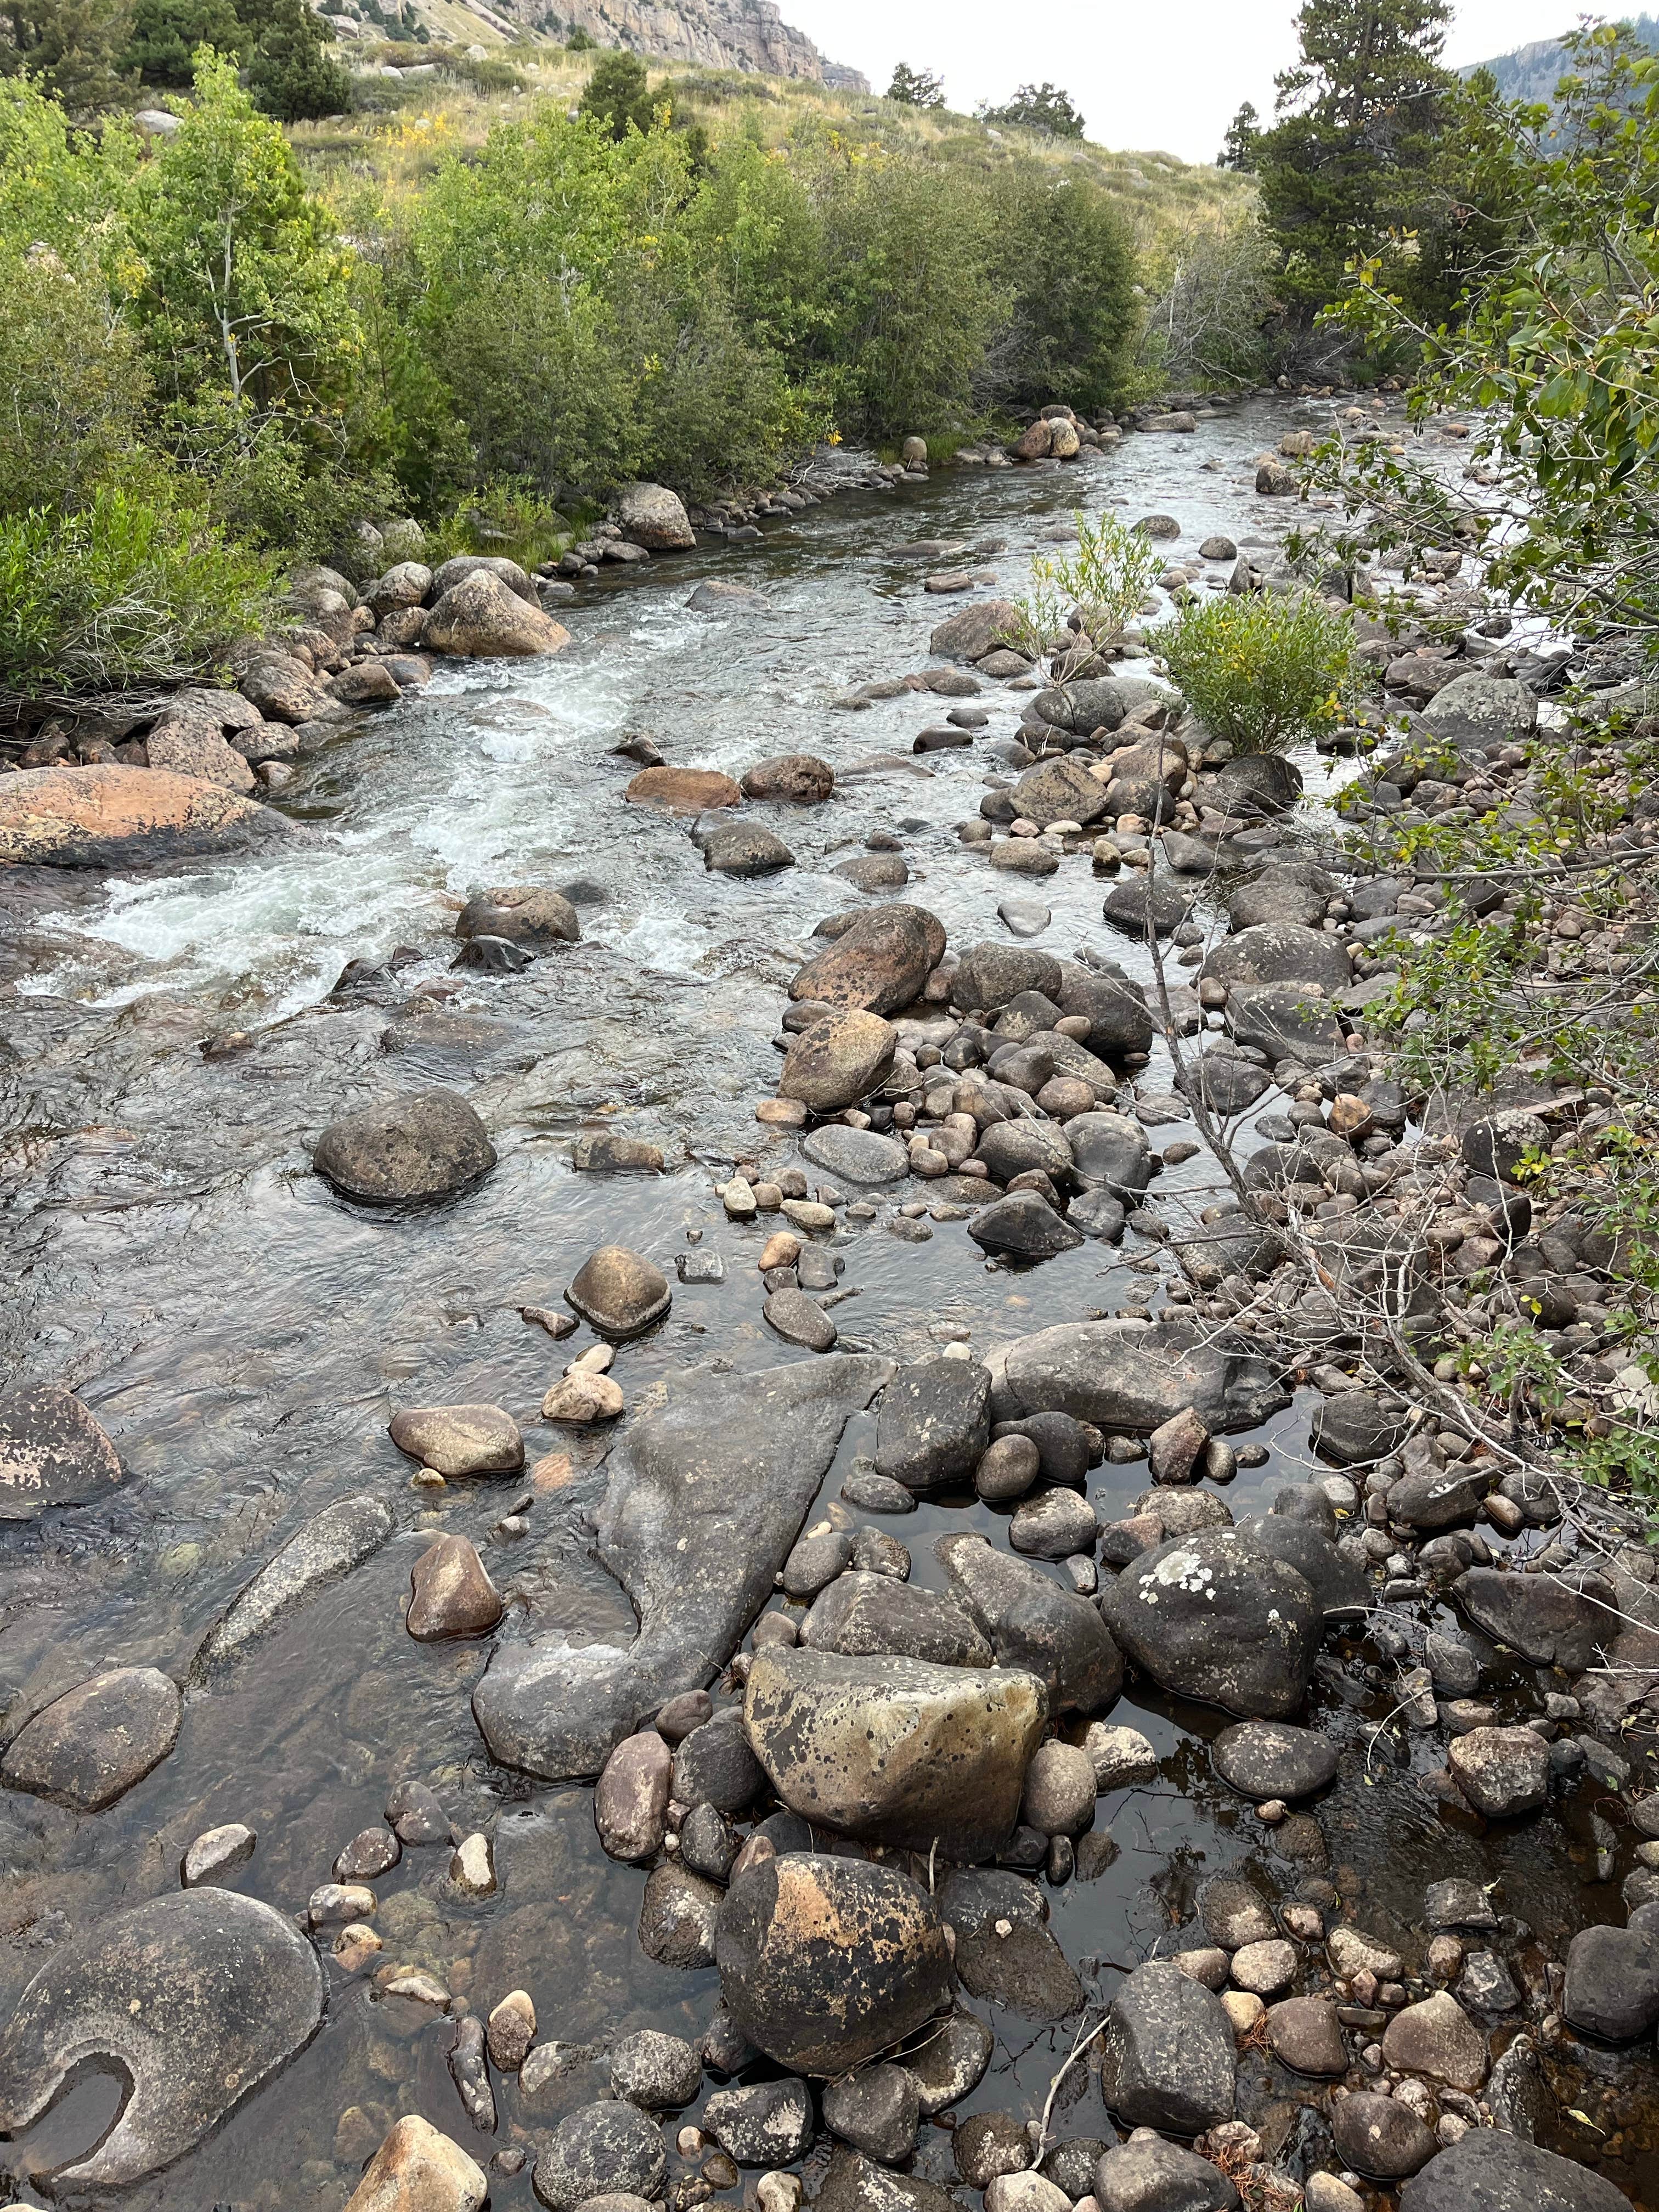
(1533, 72)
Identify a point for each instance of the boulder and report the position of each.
(879, 963)
(1126, 1377)
(1062, 790)
(657, 2072)
(418, 2169)
(1382, 2137)
(340, 1538)
(853, 2183)
(857, 1155)
(801, 778)
(1490, 2170)
(88, 1747)
(714, 1766)
(457, 569)
(1263, 1760)
(1140, 904)
(1305, 2034)
(1612, 1983)
(1436, 2037)
(835, 1062)
(989, 976)
(1153, 2176)
(458, 1440)
(859, 1615)
(1167, 2055)
(123, 818)
(1482, 707)
(630, 1799)
(1115, 1010)
(1023, 1226)
(683, 790)
(1110, 1152)
(1211, 1616)
(451, 1594)
(704, 1499)
(716, 598)
(481, 617)
(199, 1998)
(975, 631)
(676, 1917)
(1280, 953)
(191, 746)
(1035, 1623)
(421, 1146)
(877, 2110)
(524, 914)
(1287, 1021)
(934, 1424)
(619, 1293)
(1338, 1582)
(1502, 1772)
(895, 1750)
(653, 516)
(1084, 705)
(761, 2123)
(1549, 1620)
(52, 1452)
(745, 848)
(825, 1963)
(952, 2062)
(596, 2149)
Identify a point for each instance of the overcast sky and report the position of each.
(1159, 79)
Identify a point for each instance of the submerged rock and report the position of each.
(1271, 1758)
(418, 2169)
(338, 1540)
(704, 1500)
(827, 1962)
(424, 1144)
(894, 1750)
(88, 1747)
(199, 1996)
(52, 1452)
(459, 1440)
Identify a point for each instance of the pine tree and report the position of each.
(1039, 107)
(916, 87)
(1239, 148)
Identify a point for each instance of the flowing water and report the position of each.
(246, 1336)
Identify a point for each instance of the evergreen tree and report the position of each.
(617, 94)
(1364, 155)
(162, 36)
(916, 87)
(69, 47)
(1039, 107)
(1239, 149)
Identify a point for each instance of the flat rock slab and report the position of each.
(88, 1747)
(124, 817)
(52, 1452)
(340, 1538)
(1129, 1377)
(705, 1499)
(200, 1996)
(1492, 2170)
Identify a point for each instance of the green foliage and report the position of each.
(1261, 669)
(1104, 583)
(1375, 150)
(1238, 149)
(915, 87)
(291, 72)
(127, 590)
(580, 41)
(74, 386)
(616, 95)
(1206, 325)
(69, 47)
(1042, 108)
(1066, 259)
(162, 36)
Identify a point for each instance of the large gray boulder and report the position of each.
(52, 1452)
(975, 631)
(1037, 1623)
(198, 1997)
(1062, 790)
(988, 975)
(704, 1500)
(482, 618)
(1167, 2054)
(1211, 1617)
(1549, 1620)
(895, 1751)
(1152, 2176)
(424, 1144)
(1484, 707)
(1280, 953)
(835, 1062)
(935, 1423)
(1129, 1377)
(880, 963)
(1084, 705)
(859, 1615)
(1490, 2170)
(1612, 1983)
(827, 1962)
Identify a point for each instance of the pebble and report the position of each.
(472, 1867)
(216, 1853)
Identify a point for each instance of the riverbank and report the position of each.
(245, 1337)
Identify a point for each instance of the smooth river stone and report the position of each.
(1273, 1758)
(340, 1538)
(89, 1747)
(856, 1155)
(199, 1996)
(705, 1499)
(51, 1453)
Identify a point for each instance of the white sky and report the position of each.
(1164, 81)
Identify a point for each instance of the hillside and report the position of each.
(1532, 72)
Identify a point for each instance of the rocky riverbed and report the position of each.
(660, 1541)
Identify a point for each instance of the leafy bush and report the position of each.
(74, 386)
(1262, 670)
(1104, 582)
(130, 590)
(1068, 261)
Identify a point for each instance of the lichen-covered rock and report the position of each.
(52, 1452)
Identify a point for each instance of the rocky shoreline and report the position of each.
(852, 1780)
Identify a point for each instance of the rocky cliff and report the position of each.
(742, 35)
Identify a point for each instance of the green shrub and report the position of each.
(1262, 670)
(74, 386)
(132, 590)
(1105, 582)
